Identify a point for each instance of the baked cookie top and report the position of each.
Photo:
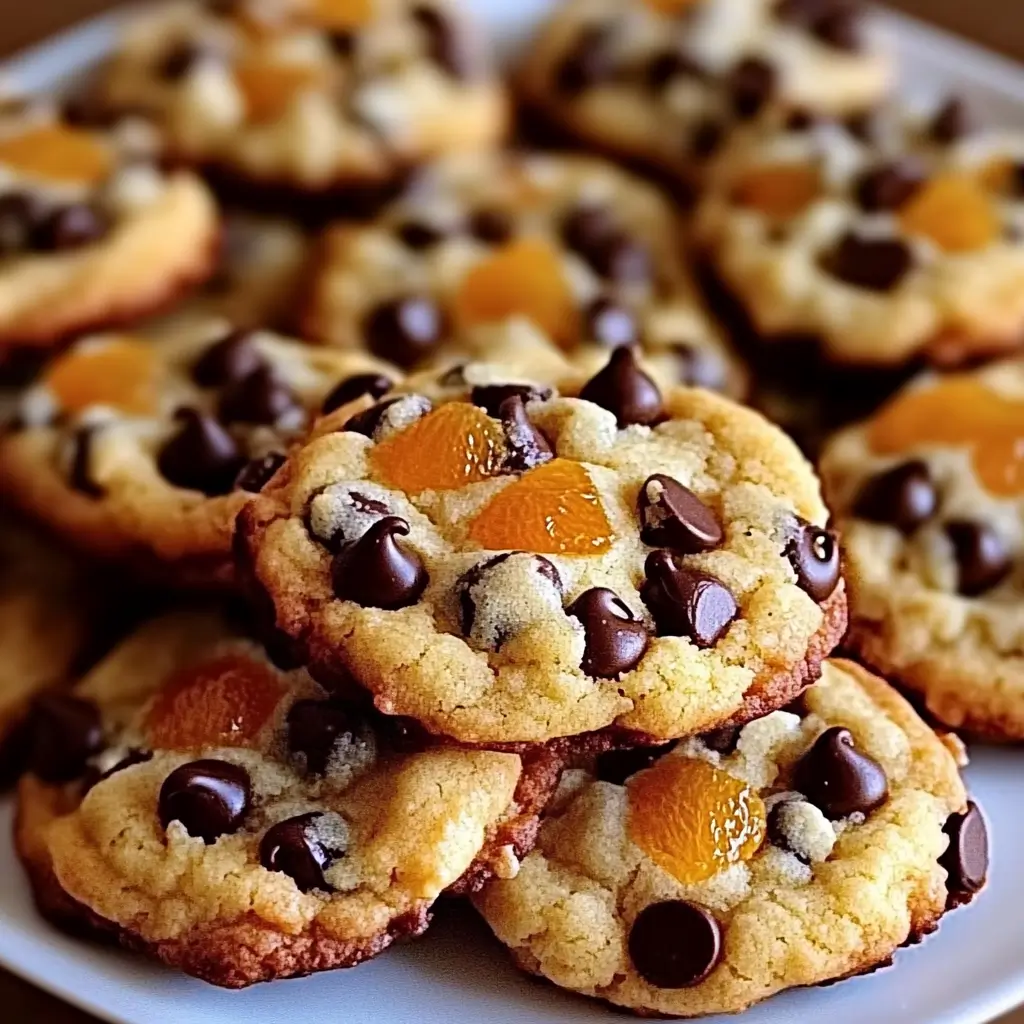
(801, 849)
(929, 498)
(243, 824)
(144, 449)
(505, 563)
(589, 254)
(667, 82)
(884, 239)
(92, 231)
(318, 95)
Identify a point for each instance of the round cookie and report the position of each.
(334, 97)
(241, 824)
(802, 849)
(92, 231)
(507, 564)
(664, 84)
(927, 495)
(144, 449)
(587, 253)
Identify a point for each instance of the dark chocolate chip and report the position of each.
(15, 747)
(615, 639)
(367, 421)
(65, 732)
(19, 215)
(751, 85)
(491, 396)
(70, 227)
(624, 389)
(132, 758)
(201, 456)
(342, 43)
(589, 61)
(953, 121)
(620, 259)
(586, 227)
(492, 225)
(814, 555)
(526, 445)
(262, 397)
(377, 571)
(776, 833)
(80, 470)
(611, 324)
(723, 740)
(209, 798)
(675, 944)
(405, 330)
(904, 496)
(706, 138)
(447, 45)
(701, 367)
(616, 766)
(229, 359)
(876, 264)
(463, 588)
(180, 59)
(419, 235)
(376, 385)
(966, 857)
(802, 120)
(841, 28)
(982, 558)
(257, 473)
(889, 186)
(666, 67)
(316, 726)
(686, 602)
(292, 847)
(837, 778)
(672, 516)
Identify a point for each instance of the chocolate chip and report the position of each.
(293, 848)
(419, 235)
(70, 227)
(625, 390)
(775, 829)
(904, 496)
(889, 186)
(814, 555)
(700, 367)
(611, 324)
(491, 396)
(132, 758)
(982, 558)
(706, 138)
(492, 225)
(209, 798)
(686, 602)
(589, 61)
(80, 469)
(675, 944)
(177, 62)
(315, 727)
(615, 639)
(544, 568)
(15, 747)
(723, 740)
(837, 778)
(19, 215)
(526, 446)
(262, 397)
(665, 67)
(405, 330)
(953, 121)
(672, 516)
(201, 456)
(447, 45)
(751, 84)
(257, 473)
(377, 571)
(64, 732)
(802, 120)
(367, 421)
(966, 857)
(342, 43)
(586, 227)
(229, 359)
(348, 390)
(876, 264)
(620, 259)
(616, 766)
(841, 28)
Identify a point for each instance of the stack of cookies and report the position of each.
(394, 515)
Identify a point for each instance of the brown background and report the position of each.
(992, 22)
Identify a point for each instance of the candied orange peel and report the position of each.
(58, 153)
(270, 87)
(955, 211)
(124, 373)
(779, 190)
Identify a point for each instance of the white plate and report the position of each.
(970, 972)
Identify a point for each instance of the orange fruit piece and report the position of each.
(692, 819)
(999, 463)
(124, 373)
(223, 702)
(58, 153)
(341, 15)
(454, 445)
(553, 509)
(779, 190)
(955, 211)
(523, 278)
(269, 88)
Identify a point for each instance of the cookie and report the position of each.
(588, 254)
(143, 450)
(310, 96)
(805, 848)
(927, 494)
(241, 824)
(92, 231)
(665, 84)
(505, 563)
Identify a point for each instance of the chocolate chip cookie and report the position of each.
(508, 564)
(804, 848)
(241, 823)
(927, 494)
(588, 254)
(143, 450)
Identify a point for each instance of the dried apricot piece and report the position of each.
(58, 153)
(955, 211)
(340, 15)
(779, 190)
(124, 373)
(454, 445)
(694, 820)
(223, 702)
(553, 509)
(269, 88)
(523, 278)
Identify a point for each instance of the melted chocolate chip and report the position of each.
(492, 225)
(315, 727)
(209, 798)
(64, 732)
(616, 766)
(447, 46)
(982, 558)
(70, 227)
(19, 214)
(953, 121)
(348, 390)
(686, 602)
(293, 848)
(611, 324)
(464, 587)
(615, 639)
(257, 473)
(876, 264)
(814, 555)
(201, 456)
(405, 330)
(589, 61)
(966, 857)
(229, 359)
(80, 470)
(377, 571)
(625, 390)
(837, 778)
(672, 516)
(889, 186)
(776, 832)
(675, 944)
(526, 446)
(490, 397)
(419, 235)
(751, 84)
(904, 496)
(262, 397)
